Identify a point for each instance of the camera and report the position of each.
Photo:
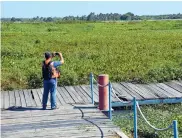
(55, 54)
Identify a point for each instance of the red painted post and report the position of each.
(103, 92)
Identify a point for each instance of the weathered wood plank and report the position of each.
(174, 86)
(122, 93)
(41, 118)
(86, 88)
(40, 95)
(140, 91)
(129, 90)
(17, 99)
(75, 130)
(86, 96)
(148, 91)
(60, 100)
(81, 94)
(73, 94)
(36, 97)
(158, 91)
(67, 98)
(168, 89)
(179, 83)
(59, 113)
(2, 100)
(12, 98)
(27, 98)
(62, 97)
(53, 124)
(22, 98)
(130, 86)
(30, 93)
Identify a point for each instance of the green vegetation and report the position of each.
(160, 116)
(146, 51)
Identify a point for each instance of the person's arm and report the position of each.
(61, 58)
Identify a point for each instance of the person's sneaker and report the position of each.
(44, 108)
(55, 107)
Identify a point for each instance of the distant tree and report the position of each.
(49, 19)
(13, 19)
(91, 16)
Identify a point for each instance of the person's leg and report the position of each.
(53, 95)
(45, 95)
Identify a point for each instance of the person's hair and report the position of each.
(48, 55)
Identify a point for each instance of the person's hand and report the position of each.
(60, 53)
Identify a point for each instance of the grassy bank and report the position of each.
(147, 51)
(160, 116)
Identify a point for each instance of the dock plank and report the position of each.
(85, 100)
(36, 98)
(74, 94)
(170, 90)
(62, 97)
(177, 82)
(121, 92)
(174, 86)
(64, 122)
(32, 99)
(12, 98)
(27, 98)
(40, 95)
(141, 91)
(67, 97)
(60, 100)
(129, 90)
(22, 97)
(148, 91)
(158, 91)
(17, 99)
(2, 100)
(86, 88)
(85, 95)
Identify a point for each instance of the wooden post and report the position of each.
(103, 92)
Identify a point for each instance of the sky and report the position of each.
(29, 9)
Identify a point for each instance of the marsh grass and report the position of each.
(146, 51)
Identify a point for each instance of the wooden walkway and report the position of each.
(82, 95)
(22, 116)
(65, 122)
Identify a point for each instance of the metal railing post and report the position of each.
(110, 111)
(175, 128)
(91, 87)
(135, 117)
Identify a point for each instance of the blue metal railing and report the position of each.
(91, 87)
(135, 106)
(135, 117)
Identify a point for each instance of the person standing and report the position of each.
(50, 74)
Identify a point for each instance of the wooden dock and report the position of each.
(65, 122)
(22, 116)
(169, 92)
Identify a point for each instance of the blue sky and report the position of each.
(63, 8)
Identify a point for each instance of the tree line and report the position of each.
(95, 17)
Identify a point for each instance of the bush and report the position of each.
(34, 81)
